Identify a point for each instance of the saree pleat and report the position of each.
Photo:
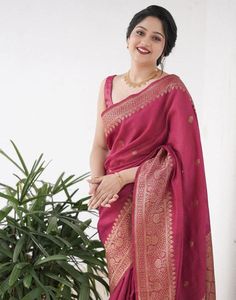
(157, 235)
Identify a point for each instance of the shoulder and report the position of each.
(103, 83)
(105, 80)
(176, 81)
(176, 85)
(103, 90)
(180, 96)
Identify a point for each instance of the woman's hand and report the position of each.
(92, 191)
(106, 191)
(92, 187)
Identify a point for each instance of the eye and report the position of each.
(139, 32)
(157, 38)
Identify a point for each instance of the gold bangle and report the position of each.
(120, 178)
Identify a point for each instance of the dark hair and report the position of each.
(168, 23)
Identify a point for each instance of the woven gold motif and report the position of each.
(118, 245)
(154, 258)
(210, 279)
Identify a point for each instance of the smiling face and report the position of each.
(146, 41)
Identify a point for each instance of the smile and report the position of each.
(142, 50)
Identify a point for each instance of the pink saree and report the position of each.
(157, 235)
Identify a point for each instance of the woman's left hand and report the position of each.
(109, 185)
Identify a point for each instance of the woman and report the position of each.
(148, 179)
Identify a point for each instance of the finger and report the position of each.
(106, 200)
(93, 189)
(94, 198)
(114, 198)
(95, 194)
(100, 200)
(91, 201)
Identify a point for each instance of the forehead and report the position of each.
(152, 24)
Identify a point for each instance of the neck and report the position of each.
(140, 72)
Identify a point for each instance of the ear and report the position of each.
(127, 42)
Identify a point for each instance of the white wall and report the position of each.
(218, 124)
(53, 56)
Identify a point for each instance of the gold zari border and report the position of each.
(116, 114)
(118, 245)
(210, 277)
(154, 253)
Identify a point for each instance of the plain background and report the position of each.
(55, 53)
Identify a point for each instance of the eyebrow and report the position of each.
(153, 31)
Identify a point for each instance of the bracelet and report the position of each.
(120, 178)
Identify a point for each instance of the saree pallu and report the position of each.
(157, 235)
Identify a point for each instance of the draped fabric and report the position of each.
(157, 235)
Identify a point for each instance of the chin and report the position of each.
(143, 61)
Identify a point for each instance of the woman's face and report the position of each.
(146, 42)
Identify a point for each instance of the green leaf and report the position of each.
(9, 198)
(40, 199)
(60, 279)
(43, 287)
(5, 236)
(100, 279)
(5, 269)
(57, 182)
(20, 158)
(30, 180)
(72, 271)
(5, 250)
(66, 293)
(50, 258)
(66, 191)
(4, 212)
(27, 281)
(16, 273)
(77, 229)
(80, 202)
(18, 247)
(11, 160)
(52, 225)
(34, 294)
(67, 244)
(53, 239)
(86, 257)
(4, 287)
(95, 244)
(84, 290)
(9, 190)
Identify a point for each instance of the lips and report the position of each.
(143, 50)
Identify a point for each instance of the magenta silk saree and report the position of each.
(157, 235)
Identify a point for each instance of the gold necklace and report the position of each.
(138, 84)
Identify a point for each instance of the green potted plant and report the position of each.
(45, 250)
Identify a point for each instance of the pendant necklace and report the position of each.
(143, 82)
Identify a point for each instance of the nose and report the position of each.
(145, 41)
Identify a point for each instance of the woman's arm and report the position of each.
(97, 158)
(99, 147)
(128, 175)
